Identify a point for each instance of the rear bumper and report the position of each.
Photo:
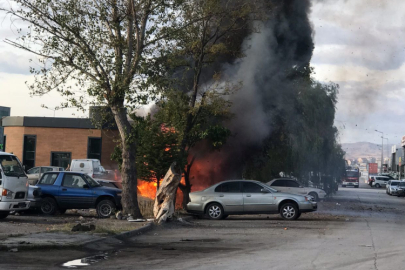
(14, 206)
(195, 208)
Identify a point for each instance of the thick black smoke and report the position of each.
(283, 45)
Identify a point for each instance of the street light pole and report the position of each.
(382, 150)
(388, 152)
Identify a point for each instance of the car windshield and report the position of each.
(91, 181)
(401, 184)
(11, 166)
(270, 188)
(394, 183)
(352, 174)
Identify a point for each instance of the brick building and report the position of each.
(44, 141)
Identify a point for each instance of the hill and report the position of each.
(363, 150)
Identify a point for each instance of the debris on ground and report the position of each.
(83, 227)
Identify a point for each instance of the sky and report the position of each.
(358, 44)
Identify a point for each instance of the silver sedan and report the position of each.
(239, 197)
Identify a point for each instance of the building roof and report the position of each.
(48, 122)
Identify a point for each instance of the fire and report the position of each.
(147, 189)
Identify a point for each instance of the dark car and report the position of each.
(75, 190)
(109, 183)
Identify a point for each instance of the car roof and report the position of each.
(6, 154)
(65, 172)
(240, 180)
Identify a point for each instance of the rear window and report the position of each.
(48, 179)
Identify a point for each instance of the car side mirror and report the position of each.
(86, 186)
(263, 190)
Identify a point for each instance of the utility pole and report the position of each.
(382, 150)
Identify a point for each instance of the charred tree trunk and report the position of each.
(165, 197)
(129, 198)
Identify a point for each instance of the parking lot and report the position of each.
(353, 230)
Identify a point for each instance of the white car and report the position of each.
(391, 187)
(288, 185)
(379, 181)
(91, 167)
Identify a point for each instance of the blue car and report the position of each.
(74, 190)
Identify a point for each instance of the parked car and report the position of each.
(91, 167)
(401, 189)
(75, 190)
(391, 187)
(391, 177)
(13, 185)
(248, 197)
(34, 174)
(379, 181)
(34, 197)
(109, 183)
(292, 186)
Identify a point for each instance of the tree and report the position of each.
(104, 48)
(196, 96)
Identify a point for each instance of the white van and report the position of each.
(91, 167)
(13, 185)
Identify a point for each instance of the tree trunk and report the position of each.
(129, 198)
(164, 202)
(186, 188)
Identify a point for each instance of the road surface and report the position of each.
(357, 229)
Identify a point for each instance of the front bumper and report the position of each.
(36, 203)
(14, 206)
(308, 207)
(350, 184)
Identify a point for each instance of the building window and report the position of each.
(61, 159)
(30, 142)
(94, 148)
(4, 143)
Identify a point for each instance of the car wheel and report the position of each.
(299, 215)
(225, 216)
(343, 185)
(377, 185)
(215, 211)
(49, 206)
(289, 211)
(62, 211)
(315, 195)
(105, 208)
(4, 214)
(356, 186)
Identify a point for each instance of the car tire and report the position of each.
(225, 216)
(299, 215)
(377, 185)
(4, 214)
(105, 208)
(49, 206)
(62, 211)
(356, 186)
(343, 185)
(289, 211)
(215, 211)
(315, 195)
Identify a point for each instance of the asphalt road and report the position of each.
(357, 229)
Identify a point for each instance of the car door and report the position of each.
(74, 192)
(230, 194)
(257, 199)
(280, 185)
(294, 187)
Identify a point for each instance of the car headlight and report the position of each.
(309, 198)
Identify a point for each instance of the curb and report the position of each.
(139, 231)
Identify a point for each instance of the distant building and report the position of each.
(4, 111)
(44, 141)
